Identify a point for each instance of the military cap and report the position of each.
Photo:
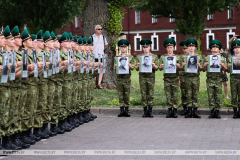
(235, 44)
(7, 33)
(169, 58)
(191, 42)
(63, 38)
(47, 37)
(122, 58)
(183, 44)
(145, 42)
(25, 35)
(84, 41)
(15, 32)
(90, 41)
(54, 38)
(33, 36)
(39, 35)
(215, 43)
(67, 35)
(169, 42)
(123, 43)
(80, 40)
(75, 39)
(71, 37)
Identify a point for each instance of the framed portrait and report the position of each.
(214, 63)
(104, 63)
(88, 61)
(69, 62)
(5, 64)
(57, 60)
(45, 75)
(122, 65)
(191, 66)
(145, 64)
(235, 68)
(13, 66)
(93, 61)
(50, 67)
(169, 64)
(82, 63)
(54, 62)
(35, 64)
(24, 63)
(99, 64)
(74, 61)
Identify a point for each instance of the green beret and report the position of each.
(145, 42)
(67, 35)
(84, 41)
(80, 40)
(25, 35)
(39, 35)
(169, 42)
(235, 44)
(191, 42)
(33, 36)
(90, 41)
(63, 38)
(183, 44)
(7, 33)
(71, 36)
(123, 43)
(123, 58)
(54, 38)
(15, 32)
(47, 37)
(215, 43)
(75, 39)
(169, 58)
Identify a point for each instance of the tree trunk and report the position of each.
(95, 13)
(187, 36)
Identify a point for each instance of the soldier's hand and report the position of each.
(19, 63)
(229, 65)
(178, 65)
(9, 66)
(205, 64)
(198, 65)
(162, 65)
(138, 64)
(153, 64)
(184, 64)
(40, 65)
(221, 64)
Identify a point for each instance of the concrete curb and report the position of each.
(156, 111)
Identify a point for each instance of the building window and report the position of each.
(230, 34)
(210, 17)
(137, 46)
(154, 19)
(137, 17)
(174, 37)
(172, 20)
(210, 36)
(154, 39)
(230, 12)
(77, 22)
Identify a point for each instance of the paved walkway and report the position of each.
(108, 132)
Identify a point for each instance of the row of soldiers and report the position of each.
(61, 99)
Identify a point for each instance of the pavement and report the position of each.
(109, 132)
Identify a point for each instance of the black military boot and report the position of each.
(56, 129)
(92, 115)
(126, 112)
(184, 111)
(89, 115)
(189, 114)
(80, 118)
(170, 113)
(7, 143)
(25, 139)
(235, 113)
(174, 115)
(150, 114)
(238, 113)
(85, 117)
(195, 113)
(212, 115)
(121, 114)
(217, 114)
(67, 126)
(71, 121)
(145, 112)
(46, 130)
(39, 133)
(31, 136)
(61, 126)
(16, 141)
(76, 119)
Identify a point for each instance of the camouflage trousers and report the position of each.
(183, 90)
(214, 89)
(23, 97)
(5, 95)
(192, 89)
(147, 90)
(235, 92)
(50, 100)
(80, 106)
(57, 113)
(67, 97)
(75, 96)
(123, 88)
(171, 88)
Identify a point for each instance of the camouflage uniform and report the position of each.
(183, 86)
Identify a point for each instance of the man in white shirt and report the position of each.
(100, 44)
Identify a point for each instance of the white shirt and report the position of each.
(98, 45)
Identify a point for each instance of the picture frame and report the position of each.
(5, 64)
(235, 67)
(214, 63)
(169, 65)
(191, 66)
(122, 65)
(145, 64)
(13, 66)
(24, 63)
(34, 53)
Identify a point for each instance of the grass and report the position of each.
(109, 98)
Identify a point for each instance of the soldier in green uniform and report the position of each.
(171, 86)
(124, 80)
(192, 81)
(182, 78)
(235, 82)
(147, 80)
(214, 80)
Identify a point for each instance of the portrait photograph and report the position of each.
(235, 68)
(5, 63)
(69, 62)
(146, 64)
(122, 65)
(57, 61)
(214, 63)
(170, 64)
(51, 64)
(13, 66)
(88, 61)
(24, 64)
(44, 65)
(35, 64)
(104, 63)
(192, 66)
(74, 62)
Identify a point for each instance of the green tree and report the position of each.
(189, 14)
(39, 14)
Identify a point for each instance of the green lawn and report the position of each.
(109, 98)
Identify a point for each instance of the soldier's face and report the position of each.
(18, 42)
(82, 48)
(123, 62)
(123, 49)
(10, 42)
(91, 48)
(2, 41)
(215, 49)
(65, 45)
(146, 49)
(28, 43)
(49, 44)
(214, 60)
(40, 44)
(146, 60)
(185, 50)
(170, 49)
(191, 48)
(192, 60)
(34, 43)
(56, 44)
(237, 50)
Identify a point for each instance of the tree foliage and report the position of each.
(189, 14)
(39, 14)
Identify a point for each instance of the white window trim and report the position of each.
(228, 13)
(229, 33)
(77, 24)
(153, 19)
(207, 36)
(135, 42)
(175, 39)
(152, 46)
(136, 17)
(208, 17)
